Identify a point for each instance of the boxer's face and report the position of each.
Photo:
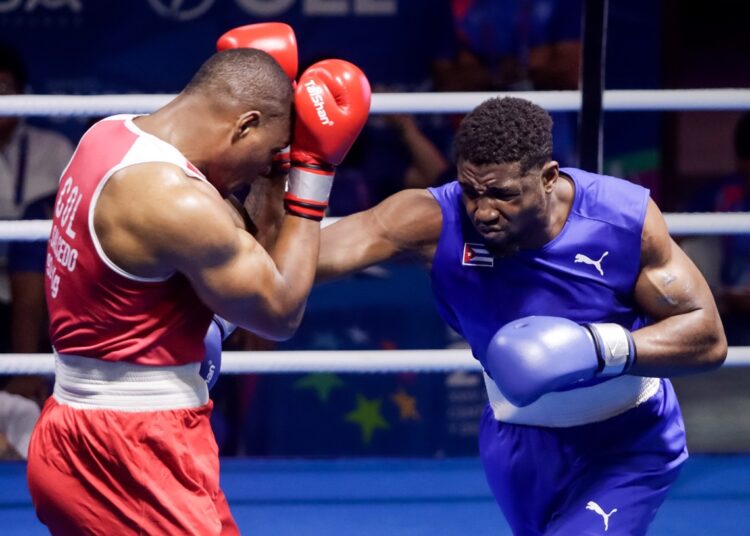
(256, 141)
(269, 140)
(507, 207)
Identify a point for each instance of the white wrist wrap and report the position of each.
(616, 350)
(310, 185)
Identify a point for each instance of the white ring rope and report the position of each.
(374, 361)
(386, 103)
(381, 361)
(680, 224)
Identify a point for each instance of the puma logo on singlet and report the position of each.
(580, 257)
(591, 505)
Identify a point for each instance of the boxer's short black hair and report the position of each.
(505, 130)
(246, 75)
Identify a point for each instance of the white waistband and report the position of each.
(88, 383)
(577, 406)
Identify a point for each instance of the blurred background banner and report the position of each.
(154, 46)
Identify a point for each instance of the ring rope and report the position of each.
(340, 361)
(381, 361)
(388, 103)
(680, 224)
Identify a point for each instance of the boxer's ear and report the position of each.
(549, 175)
(245, 123)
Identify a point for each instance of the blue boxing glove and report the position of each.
(218, 330)
(539, 354)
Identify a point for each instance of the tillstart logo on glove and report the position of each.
(316, 96)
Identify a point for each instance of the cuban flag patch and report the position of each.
(477, 255)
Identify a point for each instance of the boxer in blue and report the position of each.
(578, 304)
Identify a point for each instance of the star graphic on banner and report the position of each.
(322, 383)
(407, 406)
(367, 416)
(357, 335)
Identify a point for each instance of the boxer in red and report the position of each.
(143, 252)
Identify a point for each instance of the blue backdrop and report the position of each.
(154, 46)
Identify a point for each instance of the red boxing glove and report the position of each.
(275, 38)
(332, 101)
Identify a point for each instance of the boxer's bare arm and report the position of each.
(407, 224)
(687, 335)
(240, 217)
(174, 223)
(264, 206)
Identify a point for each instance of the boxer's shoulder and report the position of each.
(412, 218)
(151, 213)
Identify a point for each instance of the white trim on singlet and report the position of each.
(143, 145)
(89, 383)
(179, 158)
(575, 407)
(97, 244)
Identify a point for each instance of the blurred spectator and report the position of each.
(31, 160)
(501, 45)
(519, 45)
(369, 173)
(351, 191)
(29, 320)
(404, 151)
(428, 165)
(26, 273)
(18, 416)
(389, 153)
(726, 261)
